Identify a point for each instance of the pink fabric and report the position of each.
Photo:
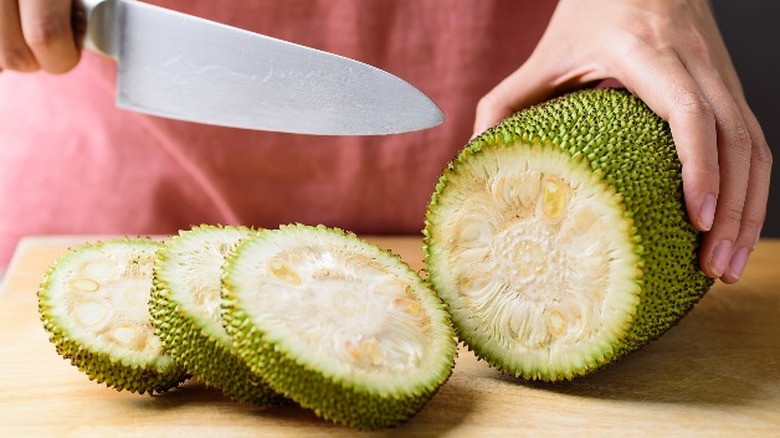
(70, 162)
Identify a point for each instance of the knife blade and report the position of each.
(179, 66)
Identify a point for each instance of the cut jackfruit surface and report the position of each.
(185, 309)
(93, 304)
(339, 325)
(559, 240)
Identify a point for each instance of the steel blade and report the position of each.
(183, 67)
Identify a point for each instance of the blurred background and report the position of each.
(751, 30)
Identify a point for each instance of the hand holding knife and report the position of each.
(183, 67)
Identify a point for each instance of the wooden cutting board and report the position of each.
(717, 372)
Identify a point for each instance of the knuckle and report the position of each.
(702, 173)
(642, 36)
(762, 154)
(697, 45)
(636, 41)
(740, 148)
(45, 34)
(694, 104)
(486, 103)
(651, 30)
(709, 170)
(696, 42)
(732, 213)
(750, 225)
(741, 137)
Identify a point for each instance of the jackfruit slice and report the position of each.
(185, 309)
(93, 303)
(336, 324)
(559, 239)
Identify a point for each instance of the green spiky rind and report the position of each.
(188, 340)
(630, 150)
(330, 397)
(161, 375)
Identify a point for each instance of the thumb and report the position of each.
(523, 88)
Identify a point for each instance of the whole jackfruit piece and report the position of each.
(93, 303)
(185, 309)
(559, 239)
(336, 324)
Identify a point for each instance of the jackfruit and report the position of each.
(93, 303)
(185, 309)
(336, 324)
(559, 240)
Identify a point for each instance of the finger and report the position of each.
(734, 149)
(754, 212)
(743, 149)
(524, 87)
(534, 82)
(14, 53)
(662, 82)
(46, 25)
(734, 157)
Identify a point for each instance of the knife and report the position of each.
(183, 67)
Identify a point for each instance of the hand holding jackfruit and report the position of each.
(559, 239)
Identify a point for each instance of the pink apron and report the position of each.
(71, 163)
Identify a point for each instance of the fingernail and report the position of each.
(707, 213)
(738, 263)
(721, 257)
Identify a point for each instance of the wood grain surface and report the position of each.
(716, 373)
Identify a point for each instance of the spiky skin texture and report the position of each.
(316, 380)
(627, 155)
(192, 263)
(121, 370)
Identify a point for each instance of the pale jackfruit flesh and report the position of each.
(336, 324)
(185, 309)
(559, 239)
(93, 303)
